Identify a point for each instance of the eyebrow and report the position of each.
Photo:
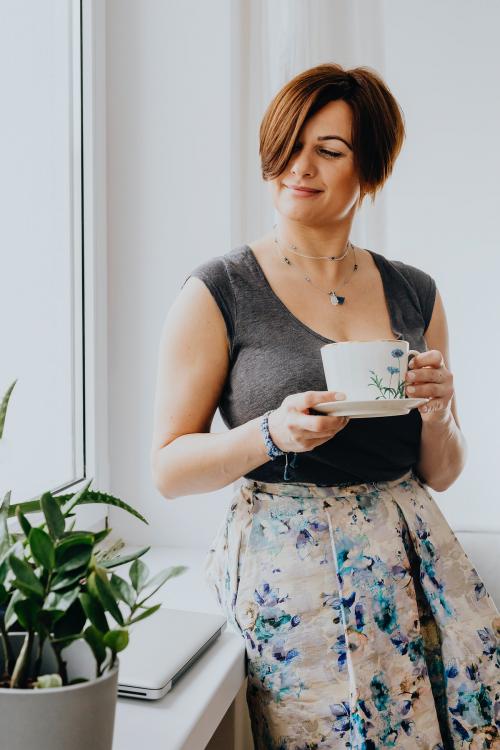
(334, 137)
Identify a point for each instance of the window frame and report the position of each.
(89, 261)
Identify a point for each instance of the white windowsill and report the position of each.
(187, 717)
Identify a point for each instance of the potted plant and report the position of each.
(64, 616)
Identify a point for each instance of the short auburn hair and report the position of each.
(378, 127)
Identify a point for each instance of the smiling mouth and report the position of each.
(302, 189)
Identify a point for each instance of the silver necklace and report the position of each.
(334, 298)
(295, 250)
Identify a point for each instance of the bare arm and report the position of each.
(186, 458)
(443, 448)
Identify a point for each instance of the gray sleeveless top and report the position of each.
(273, 354)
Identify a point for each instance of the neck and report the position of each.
(316, 242)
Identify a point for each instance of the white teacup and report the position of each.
(367, 370)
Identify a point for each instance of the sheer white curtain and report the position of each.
(271, 43)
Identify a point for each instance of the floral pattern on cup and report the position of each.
(389, 391)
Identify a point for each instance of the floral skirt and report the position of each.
(366, 626)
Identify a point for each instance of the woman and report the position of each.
(365, 624)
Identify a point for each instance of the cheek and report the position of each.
(346, 173)
(347, 181)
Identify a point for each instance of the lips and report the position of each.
(302, 189)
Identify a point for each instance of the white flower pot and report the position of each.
(74, 717)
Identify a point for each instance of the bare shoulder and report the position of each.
(195, 307)
(193, 364)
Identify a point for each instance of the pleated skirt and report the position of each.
(366, 625)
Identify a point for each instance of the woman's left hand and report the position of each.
(429, 378)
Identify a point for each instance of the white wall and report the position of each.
(168, 193)
(443, 64)
(170, 202)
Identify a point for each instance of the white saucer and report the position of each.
(387, 407)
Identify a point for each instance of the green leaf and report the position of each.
(72, 622)
(23, 521)
(10, 616)
(94, 611)
(95, 640)
(99, 587)
(73, 557)
(26, 580)
(4, 569)
(123, 559)
(68, 505)
(123, 590)
(60, 603)
(5, 538)
(16, 549)
(70, 538)
(91, 497)
(100, 535)
(27, 612)
(62, 581)
(117, 640)
(6, 502)
(161, 578)
(138, 573)
(45, 622)
(102, 497)
(3, 406)
(42, 548)
(53, 515)
(3, 594)
(146, 613)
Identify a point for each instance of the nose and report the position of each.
(301, 164)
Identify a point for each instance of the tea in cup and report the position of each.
(367, 370)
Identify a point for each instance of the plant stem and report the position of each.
(61, 664)
(38, 663)
(66, 639)
(8, 653)
(19, 673)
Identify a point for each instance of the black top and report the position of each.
(273, 354)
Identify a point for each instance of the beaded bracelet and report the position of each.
(271, 448)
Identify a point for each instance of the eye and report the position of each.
(329, 154)
(333, 154)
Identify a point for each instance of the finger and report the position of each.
(311, 398)
(310, 438)
(432, 358)
(430, 390)
(319, 426)
(311, 444)
(427, 375)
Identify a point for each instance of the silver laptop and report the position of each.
(161, 648)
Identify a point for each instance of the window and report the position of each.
(47, 260)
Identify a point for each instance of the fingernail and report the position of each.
(339, 396)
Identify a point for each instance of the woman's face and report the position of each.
(324, 164)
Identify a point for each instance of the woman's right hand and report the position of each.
(293, 428)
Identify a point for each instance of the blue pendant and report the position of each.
(336, 300)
